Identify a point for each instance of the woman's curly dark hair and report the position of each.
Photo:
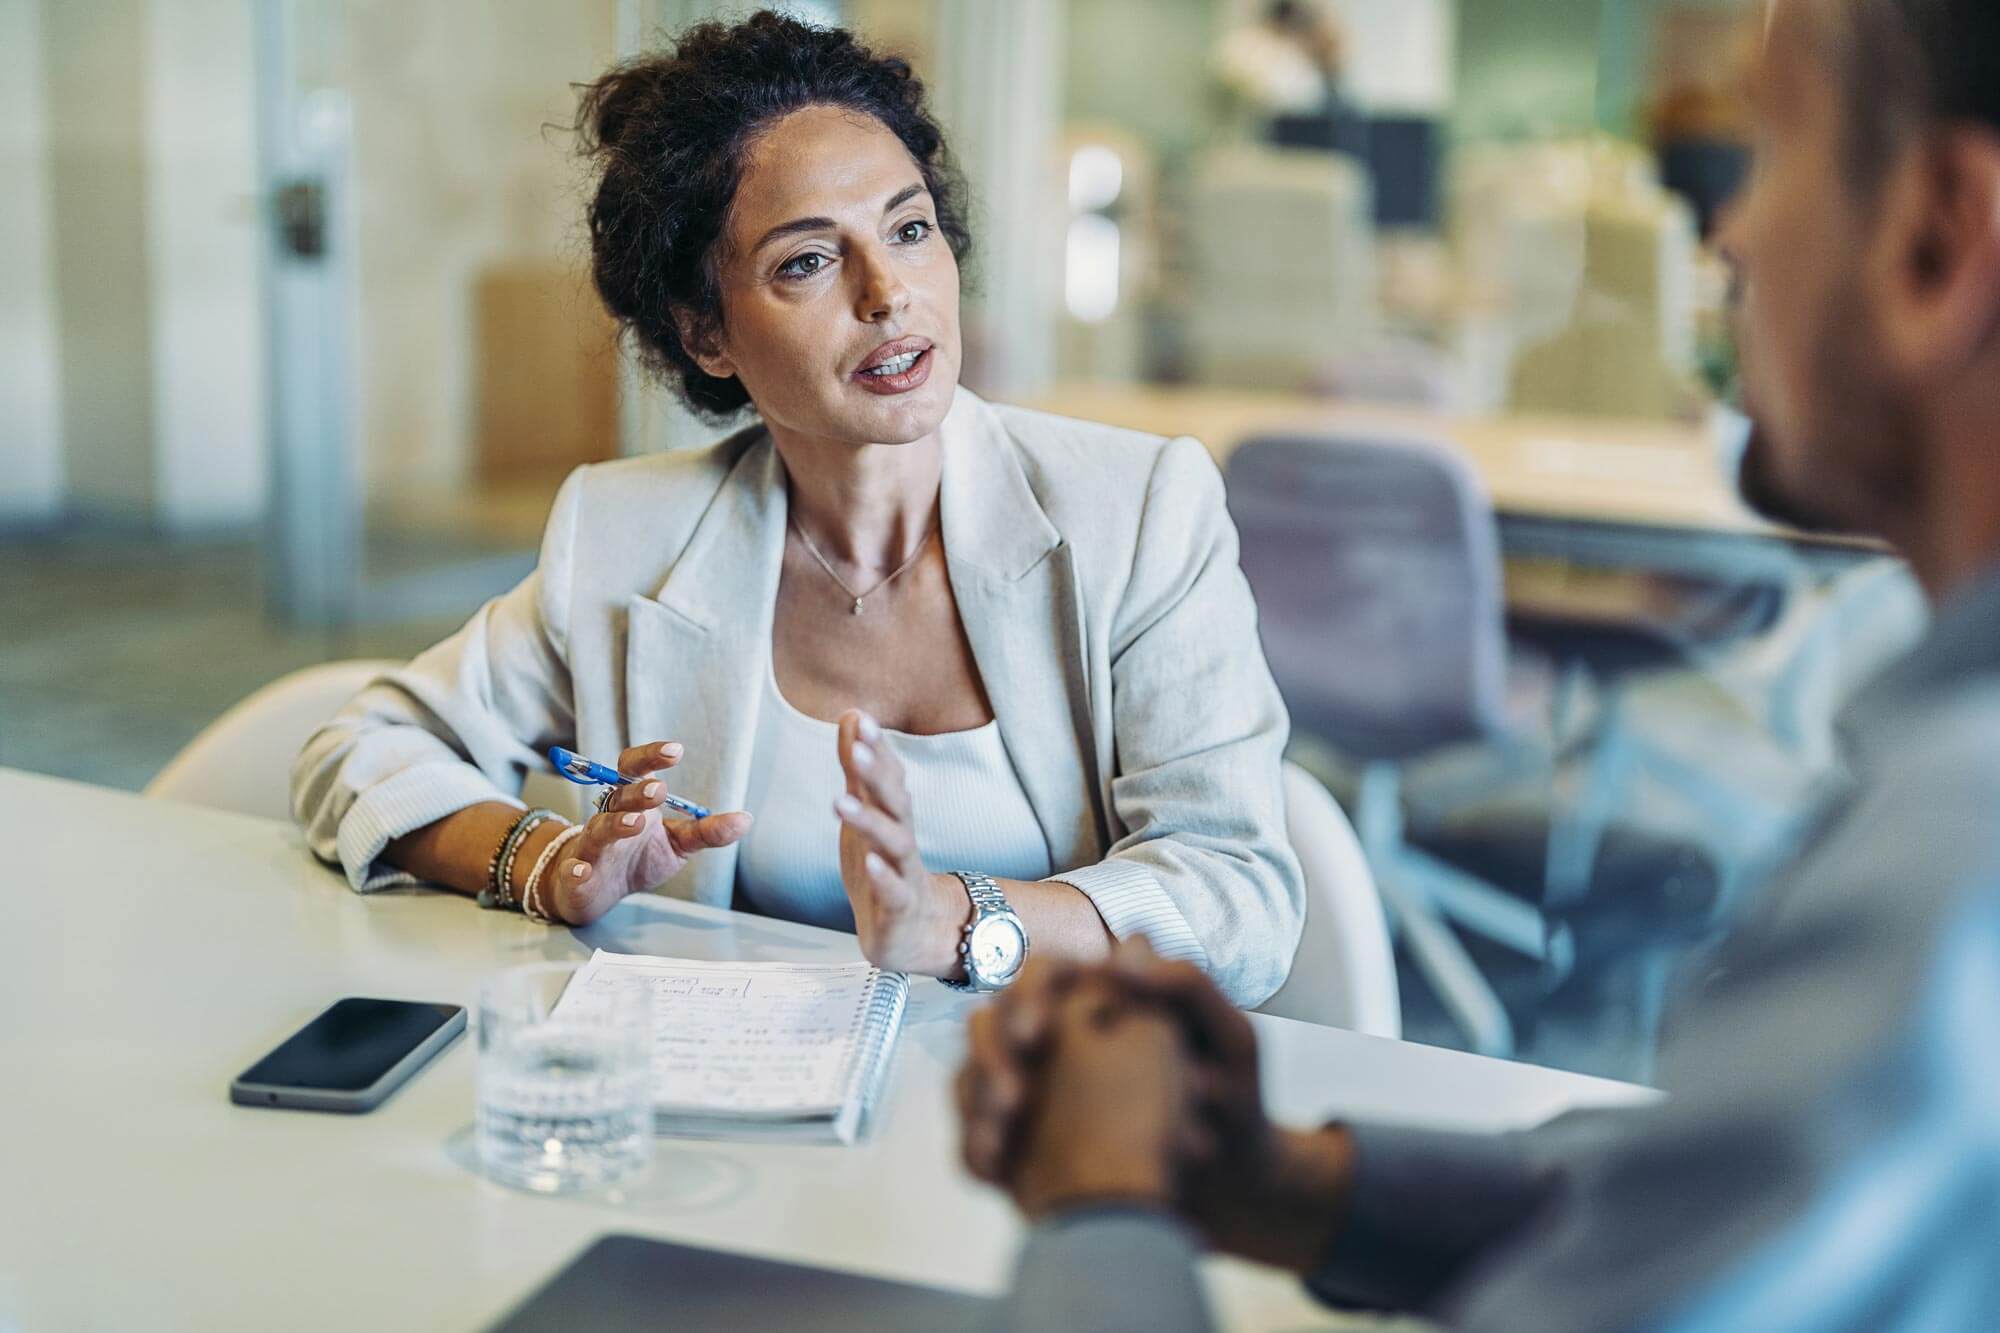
(667, 135)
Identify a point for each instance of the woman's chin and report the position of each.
(904, 418)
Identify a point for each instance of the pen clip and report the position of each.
(582, 771)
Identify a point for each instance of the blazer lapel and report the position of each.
(697, 652)
(1018, 599)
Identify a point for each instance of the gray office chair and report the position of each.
(1376, 567)
(1683, 622)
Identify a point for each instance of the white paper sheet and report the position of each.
(742, 1039)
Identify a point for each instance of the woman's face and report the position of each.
(839, 294)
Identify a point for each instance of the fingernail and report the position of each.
(870, 727)
(650, 791)
(876, 865)
(847, 805)
(579, 870)
(629, 821)
(863, 756)
(672, 747)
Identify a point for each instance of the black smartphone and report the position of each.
(350, 1057)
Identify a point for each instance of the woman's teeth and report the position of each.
(895, 365)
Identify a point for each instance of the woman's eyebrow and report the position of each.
(797, 225)
(903, 196)
(792, 228)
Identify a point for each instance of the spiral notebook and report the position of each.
(760, 1050)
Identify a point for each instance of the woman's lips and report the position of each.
(902, 382)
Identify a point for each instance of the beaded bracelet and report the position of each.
(486, 897)
(498, 892)
(529, 822)
(533, 901)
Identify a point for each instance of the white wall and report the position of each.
(999, 95)
(456, 177)
(94, 64)
(132, 382)
(1399, 54)
(31, 472)
(202, 240)
(131, 374)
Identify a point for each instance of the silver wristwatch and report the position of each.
(995, 943)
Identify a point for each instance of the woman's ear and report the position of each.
(703, 345)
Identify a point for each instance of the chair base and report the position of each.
(1423, 894)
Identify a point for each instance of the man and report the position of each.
(1829, 1154)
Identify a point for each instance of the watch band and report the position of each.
(984, 891)
(987, 900)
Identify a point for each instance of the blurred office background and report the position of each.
(296, 343)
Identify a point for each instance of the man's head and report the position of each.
(1869, 247)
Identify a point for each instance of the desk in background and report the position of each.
(1600, 492)
(153, 950)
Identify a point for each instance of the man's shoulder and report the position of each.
(1944, 746)
(1916, 832)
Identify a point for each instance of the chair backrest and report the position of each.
(242, 761)
(1376, 567)
(1344, 974)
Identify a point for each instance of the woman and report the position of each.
(915, 634)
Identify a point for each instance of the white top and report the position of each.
(971, 812)
(228, 937)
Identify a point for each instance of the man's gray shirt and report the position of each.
(1829, 1156)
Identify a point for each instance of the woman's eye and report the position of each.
(802, 266)
(912, 232)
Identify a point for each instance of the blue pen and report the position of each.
(590, 773)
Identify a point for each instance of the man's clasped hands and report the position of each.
(1134, 1082)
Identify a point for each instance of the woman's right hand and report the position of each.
(630, 845)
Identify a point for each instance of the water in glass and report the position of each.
(565, 1098)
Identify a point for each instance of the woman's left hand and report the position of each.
(908, 919)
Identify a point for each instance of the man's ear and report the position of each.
(703, 345)
(1945, 311)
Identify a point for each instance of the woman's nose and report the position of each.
(883, 297)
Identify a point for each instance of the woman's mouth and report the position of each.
(898, 373)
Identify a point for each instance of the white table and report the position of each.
(149, 952)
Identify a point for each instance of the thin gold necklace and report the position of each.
(860, 597)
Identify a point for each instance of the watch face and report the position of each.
(998, 949)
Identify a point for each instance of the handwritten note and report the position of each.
(742, 1039)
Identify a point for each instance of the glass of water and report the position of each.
(565, 1088)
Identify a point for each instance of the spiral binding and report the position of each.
(878, 1021)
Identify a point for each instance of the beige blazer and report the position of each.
(1095, 571)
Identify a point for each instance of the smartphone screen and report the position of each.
(350, 1046)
